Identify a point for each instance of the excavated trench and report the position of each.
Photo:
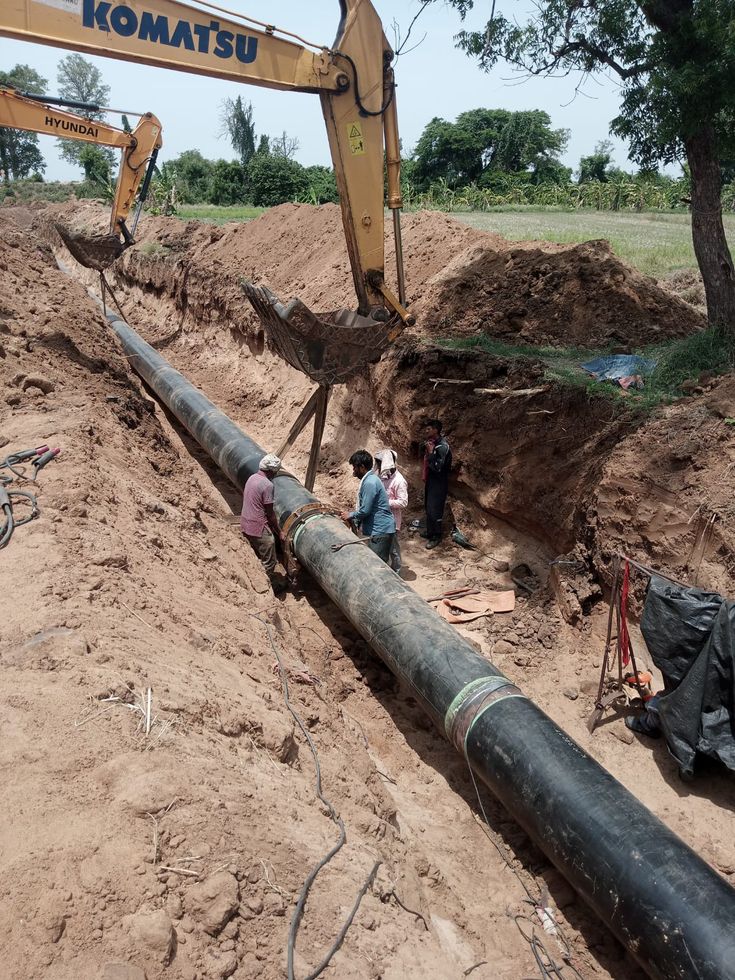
(538, 475)
(530, 462)
(539, 463)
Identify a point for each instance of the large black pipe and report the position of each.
(671, 910)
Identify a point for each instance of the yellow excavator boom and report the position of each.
(353, 78)
(18, 111)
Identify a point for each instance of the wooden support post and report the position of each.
(320, 417)
(300, 424)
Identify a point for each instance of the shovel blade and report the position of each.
(330, 347)
(594, 720)
(92, 251)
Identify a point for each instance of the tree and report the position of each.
(273, 179)
(80, 81)
(482, 141)
(598, 165)
(227, 185)
(238, 125)
(20, 155)
(283, 146)
(675, 60)
(527, 143)
(321, 185)
(193, 176)
(97, 175)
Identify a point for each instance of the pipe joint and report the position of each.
(472, 702)
(294, 524)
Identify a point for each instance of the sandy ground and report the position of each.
(181, 853)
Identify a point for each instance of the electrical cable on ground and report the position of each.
(311, 877)
(9, 521)
(38, 458)
(551, 968)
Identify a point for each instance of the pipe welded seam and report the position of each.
(304, 522)
(503, 694)
(472, 701)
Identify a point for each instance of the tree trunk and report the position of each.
(4, 169)
(708, 230)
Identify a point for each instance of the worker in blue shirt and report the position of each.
(373, 515)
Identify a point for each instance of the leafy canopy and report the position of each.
(81, 81)
(239, 126)
(675, 60)
(598, 165)
(19, 151)
(483, 141)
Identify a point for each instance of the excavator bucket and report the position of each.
(329, 348)
(92, 251)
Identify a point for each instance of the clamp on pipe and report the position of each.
(472, 702)
(293, 524)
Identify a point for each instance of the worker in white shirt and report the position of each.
(397, 490)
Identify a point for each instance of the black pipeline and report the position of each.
(668, 907)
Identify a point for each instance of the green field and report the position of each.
(217, 215)
(655, 243)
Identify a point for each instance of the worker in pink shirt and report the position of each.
(397, 490)
(258, 521)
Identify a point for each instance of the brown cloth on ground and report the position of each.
(466, 608)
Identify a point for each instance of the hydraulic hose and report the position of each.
(666, 905)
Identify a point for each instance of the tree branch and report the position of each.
(582, 44)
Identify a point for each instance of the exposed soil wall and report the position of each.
(540, 462)
(461, 281)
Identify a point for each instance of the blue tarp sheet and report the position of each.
(612, 367)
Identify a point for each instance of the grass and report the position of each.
(678, 361)
(217, 215)
(712, 350)
(656, 243)
(502, 349)
(154, 250)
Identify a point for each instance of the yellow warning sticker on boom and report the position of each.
(354, 134)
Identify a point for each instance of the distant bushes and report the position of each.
(269, 179)
(266, 180)
(36, 189)
(627, 193)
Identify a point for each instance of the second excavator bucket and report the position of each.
(329, 348)
(92, 251)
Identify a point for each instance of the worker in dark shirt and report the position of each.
(436, 469)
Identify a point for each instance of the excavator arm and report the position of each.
(353, 78)
(139, 148)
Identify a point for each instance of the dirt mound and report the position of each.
(461, 281)
(688, 285)
(557, 295)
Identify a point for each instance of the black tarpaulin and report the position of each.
(691, 637)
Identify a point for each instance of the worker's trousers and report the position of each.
(382, 545)
(395, 554)
(264, 546)
(435, 498)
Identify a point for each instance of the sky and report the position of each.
(434, 79)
